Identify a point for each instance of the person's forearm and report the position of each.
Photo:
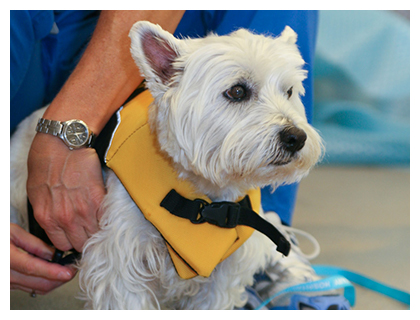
(106, 74)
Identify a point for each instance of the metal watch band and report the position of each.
(49, 126)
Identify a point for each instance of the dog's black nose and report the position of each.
(293, 139)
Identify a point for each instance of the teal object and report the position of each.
(340, 278)
(331, 283)
(362, 87)
(369, 283)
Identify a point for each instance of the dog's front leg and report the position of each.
(107, 285)
(122, 263)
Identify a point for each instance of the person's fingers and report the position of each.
(28, 270)
(76, 235)
(30, 284)
(29, 265)
(30, 243)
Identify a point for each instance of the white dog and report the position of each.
(227, 117)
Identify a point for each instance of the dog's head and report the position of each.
(228, 108)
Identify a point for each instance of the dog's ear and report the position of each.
(288, 35)
(154, 50)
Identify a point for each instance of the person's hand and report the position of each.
(65, 188)
(29, 269)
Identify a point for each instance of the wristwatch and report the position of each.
(74, 133)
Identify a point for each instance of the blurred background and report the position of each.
(357, 202)
(362, 87)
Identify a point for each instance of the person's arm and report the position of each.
(106, 74)
(65, 187)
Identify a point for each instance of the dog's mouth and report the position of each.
(282, 159)
(279, 157)
(281, 162)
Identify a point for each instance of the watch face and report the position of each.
(76, 133)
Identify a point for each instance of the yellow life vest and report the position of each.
(148, 176)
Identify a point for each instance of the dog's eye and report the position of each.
(236, 93)
(289, 92)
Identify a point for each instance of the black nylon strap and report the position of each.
(102, 141)
(225, 215)
(251, 219)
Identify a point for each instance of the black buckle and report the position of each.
(221, 214)
(199, 218)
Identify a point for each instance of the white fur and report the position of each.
(223, 147)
